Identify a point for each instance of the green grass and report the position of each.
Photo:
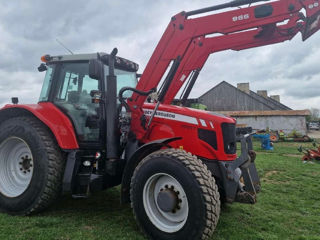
(288, 207)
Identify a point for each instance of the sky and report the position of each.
(29, 29)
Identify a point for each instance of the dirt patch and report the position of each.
(88, 227)
(313, 134)
(266, 178)
(292, 155)
(270, 173)
(264, 152)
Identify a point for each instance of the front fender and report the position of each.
(50, 115)
(135, 159)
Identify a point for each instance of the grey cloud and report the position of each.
(28, 30)
(33, 28)
(286, 68)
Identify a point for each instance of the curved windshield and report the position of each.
(124, 79)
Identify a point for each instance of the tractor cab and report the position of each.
(68, 85)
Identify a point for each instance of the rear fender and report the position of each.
(135, 159)
(59, 124)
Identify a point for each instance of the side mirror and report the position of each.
(14, 100)
(95, 69)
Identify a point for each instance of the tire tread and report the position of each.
(204, 178)
(56, 163)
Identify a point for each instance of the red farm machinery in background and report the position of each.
(95, 127)
(310, 154)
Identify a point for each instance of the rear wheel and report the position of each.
(31, 166)
(174, 196)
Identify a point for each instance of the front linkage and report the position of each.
(238, 180)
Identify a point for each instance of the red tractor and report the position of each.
(95, 127)
(309, 153)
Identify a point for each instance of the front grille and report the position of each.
(209, 137)
(229, 137)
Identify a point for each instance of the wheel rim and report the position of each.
(16, 167)
(166, 220)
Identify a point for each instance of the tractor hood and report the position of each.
(187, 115)
(204, 134)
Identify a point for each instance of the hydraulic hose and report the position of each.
(122, 100)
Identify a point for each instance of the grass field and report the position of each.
(288, 208)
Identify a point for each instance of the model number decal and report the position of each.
(240, 17)
(171, 116)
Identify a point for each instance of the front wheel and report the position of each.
(174, 196)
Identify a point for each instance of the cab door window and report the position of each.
(73, 97)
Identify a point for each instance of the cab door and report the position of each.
(73, 96)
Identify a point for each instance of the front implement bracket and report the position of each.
(238, 179)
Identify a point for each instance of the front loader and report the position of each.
(96, 126)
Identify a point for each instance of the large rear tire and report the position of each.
(31, 166)
(174, 196)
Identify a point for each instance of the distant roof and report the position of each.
(265, 101)
(255, 95)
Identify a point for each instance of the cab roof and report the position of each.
(104, 57)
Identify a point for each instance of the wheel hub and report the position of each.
(167, 200)
(16, 166)
(25, 164)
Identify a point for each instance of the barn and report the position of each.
(257, 110)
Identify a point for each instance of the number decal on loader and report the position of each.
(241, 17)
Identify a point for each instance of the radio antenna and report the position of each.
(64, 46)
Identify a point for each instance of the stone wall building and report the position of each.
(287, 121)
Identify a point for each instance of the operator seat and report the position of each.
(73, 97)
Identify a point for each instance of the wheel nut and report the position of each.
(20, 169)
(24, 172)
(20, 163)
(28, 170)
(30, 165)
(86, 163)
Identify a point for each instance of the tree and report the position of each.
(315, 114)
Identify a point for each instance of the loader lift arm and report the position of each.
(188, 39)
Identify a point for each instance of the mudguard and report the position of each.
(59, 124)
(134, 160)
